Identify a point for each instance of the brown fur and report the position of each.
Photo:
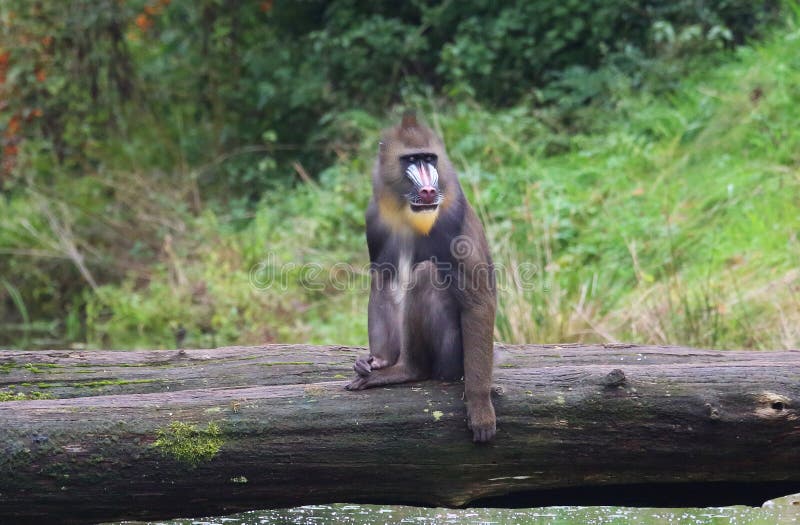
(441, 324)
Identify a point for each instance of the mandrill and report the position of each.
(432, 295)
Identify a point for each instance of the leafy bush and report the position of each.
(151, 151)
(234, 85)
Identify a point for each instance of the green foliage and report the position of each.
(670, 220)
(68, 76)
(245, 89)
(629, 150)
(267, 281)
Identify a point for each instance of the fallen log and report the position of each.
(101, 435)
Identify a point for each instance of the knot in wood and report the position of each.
(615, 378)
(772, 405)
(713, 413)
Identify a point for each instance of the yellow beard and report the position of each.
(400, 218)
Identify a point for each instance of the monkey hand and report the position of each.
(363, 368)
(363, 365)
(481, 420)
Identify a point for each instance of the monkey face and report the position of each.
(420, 170)
(412, 178)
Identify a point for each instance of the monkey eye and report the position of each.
(425, 157)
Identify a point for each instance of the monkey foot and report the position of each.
(359, 383)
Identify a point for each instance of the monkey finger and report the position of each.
(483, 434)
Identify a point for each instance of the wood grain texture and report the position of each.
(289, 434)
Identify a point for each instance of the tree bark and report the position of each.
(154, 434)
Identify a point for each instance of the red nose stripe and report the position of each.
(424, 174)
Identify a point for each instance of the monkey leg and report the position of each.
(384, 319)
(401, 324)
(385, 325)
(434, 324)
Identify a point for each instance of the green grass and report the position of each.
(674, 221)
(654, 218)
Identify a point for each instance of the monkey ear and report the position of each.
(409, 119)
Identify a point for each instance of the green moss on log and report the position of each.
(189, 444)
(10, 395)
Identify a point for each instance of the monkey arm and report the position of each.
(376, 233)
(477, 324)
(477, 287)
